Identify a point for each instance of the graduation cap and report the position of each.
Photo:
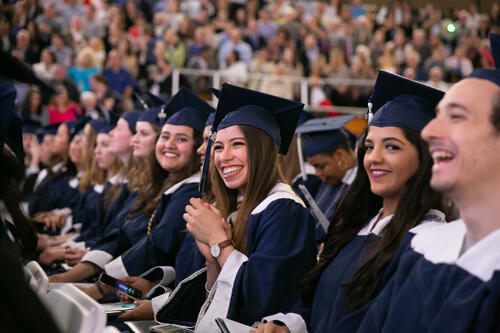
(492, 75)
(131, 118)
(211, 116)
(151, 116)
(185, 108)
(30, 126)
(210, 119)
(10, 121)
(46, 130)
(101, 125)
(276, 116)
(322, 135)
(214, 91)
(76, 126)
(398, 101)
(155, 100)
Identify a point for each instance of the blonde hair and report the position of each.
(86, 51)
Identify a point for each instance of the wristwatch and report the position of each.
(215, 249)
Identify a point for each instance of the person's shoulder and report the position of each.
(281, 194)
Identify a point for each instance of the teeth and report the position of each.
(231, 169)
(440, 155)
(379, 172)
(170, 155)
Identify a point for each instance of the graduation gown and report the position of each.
(329, 310)
(326, 196)
(280, 249)
(435, 289)
(108, 217)
(85, 213)
(53, 191)
(168, 231)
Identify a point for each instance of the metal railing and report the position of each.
(303, 82)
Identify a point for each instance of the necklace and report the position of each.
(151, 222)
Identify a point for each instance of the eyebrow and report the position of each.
(454, 106)
(230, 140)
(177, 134)
(391, 138)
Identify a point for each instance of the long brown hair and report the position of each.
(161, 180)
(262, 176)
(89, 164)
(288, 164)
(357, 207)
(139, 177)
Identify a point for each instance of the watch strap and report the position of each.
(225, 243)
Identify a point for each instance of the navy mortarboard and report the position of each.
(210, 119)
(492, 75)
(322, 135)
(275, 116)
(30, 126)
(398, 101)
(185, 108)
(46, 130)
(155, 100)
(76, 126)
(211, 116)
(214, 91)
(101, 125)
(151, 116)
(131, 118)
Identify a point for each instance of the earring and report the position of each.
(341, 165)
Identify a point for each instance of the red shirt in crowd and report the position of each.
(57, 116)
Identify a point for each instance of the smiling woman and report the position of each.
(389, 196)
(272, 233)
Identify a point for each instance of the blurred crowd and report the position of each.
(98, 52)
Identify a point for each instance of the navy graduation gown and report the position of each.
(281, 248)
(108, 217)
(168, 231)
(329, 313)
(54, 191)
(435, 289)
(189, 259)
(86, 211)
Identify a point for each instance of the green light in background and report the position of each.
(451, 28)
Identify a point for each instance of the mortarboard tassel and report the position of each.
(369, 115)
(301, 158)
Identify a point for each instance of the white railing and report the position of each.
(304, 83)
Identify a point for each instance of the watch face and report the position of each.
(215, 250)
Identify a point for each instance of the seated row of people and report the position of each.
(251, 242)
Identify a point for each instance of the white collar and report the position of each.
(118, 179)
(433, 215)
(350, 175)
(98, 188)
(193, 179)
(441, 243)
(58, 166)
(279, 191)
(378, 227)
